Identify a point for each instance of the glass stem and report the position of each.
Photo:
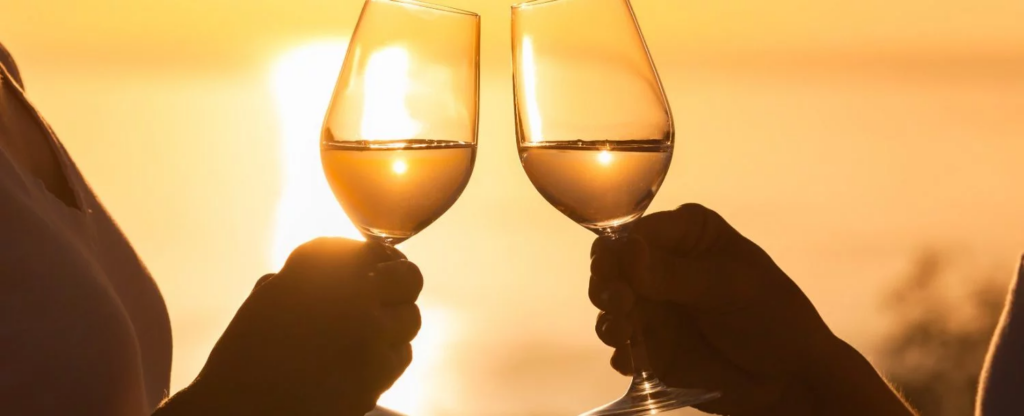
(643, 376)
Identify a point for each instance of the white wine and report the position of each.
(392, 190)
(600, 185)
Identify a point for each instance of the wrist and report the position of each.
(199, 399)
(843, 382)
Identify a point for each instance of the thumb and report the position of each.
(689, 229)
(702, 282)
(263, 280)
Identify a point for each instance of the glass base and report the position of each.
(648, 396)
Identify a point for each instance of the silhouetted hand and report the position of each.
(717, 313)
(325, 336)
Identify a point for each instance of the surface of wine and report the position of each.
(392, 190)
(600, 185)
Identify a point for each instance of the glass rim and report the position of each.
(531, 3)
(438, 7)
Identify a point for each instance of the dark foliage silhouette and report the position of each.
(944, 323)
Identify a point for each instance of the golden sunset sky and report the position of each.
(845, 137)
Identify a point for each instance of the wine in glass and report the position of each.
(595, 136)
(399, 140)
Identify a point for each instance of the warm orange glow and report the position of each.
(605, 157)
(844, 136)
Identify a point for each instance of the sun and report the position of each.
(303, 80)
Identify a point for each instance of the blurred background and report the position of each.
(872, 147)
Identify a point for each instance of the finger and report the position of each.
(703, 283)
(400, 323)
(680, 354)
(605, 264)
(694, 257)
(601, 244)
(684, 358)
(357, 403)
(364, 371)
(400, 357)
(263, 280)
(663, 276)
(622, 361)
(327, 274)
(696, 281)
(403, 358)
(688, 229)
(635, 263)
(609, 289)
(611, 295)
(382, 253)
(599, 291)
(614, 331)
(378, 364)
(325, 255)
(397, 282)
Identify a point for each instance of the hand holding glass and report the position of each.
(595, 137)
(399, 139)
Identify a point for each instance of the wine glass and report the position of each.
(399, 140)
(595, 137)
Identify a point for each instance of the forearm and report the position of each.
(190, 402)
(218, 398)
(198, 400)
(843, 382)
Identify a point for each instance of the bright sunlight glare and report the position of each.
(399, 166)
(605, 157)
(530, 90)
(303, 80)
(385, 86)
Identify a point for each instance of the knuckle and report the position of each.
(602, 318)
(598, 294)
(329, 250)
(310, 249)
(414, 271)
(600, 244)
(692, 208)
(416, 319)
